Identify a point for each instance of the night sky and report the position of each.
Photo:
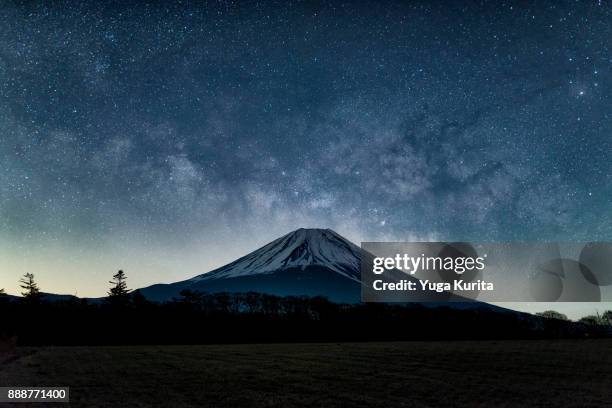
(167, 139)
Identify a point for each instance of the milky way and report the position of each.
(169, 138)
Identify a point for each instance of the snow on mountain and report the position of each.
(298, 249)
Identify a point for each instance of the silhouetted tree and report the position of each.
(138, 299)
(2, 292)
(270, 304)
(607, 317)
(118, 293)
(193, 298)
(223, 302)
(30, 288)
(552, 314)
(321, 307)
(252, 301)
(591, 320)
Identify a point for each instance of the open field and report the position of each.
(410, 374)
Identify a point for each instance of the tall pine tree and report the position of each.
(30, 288)
(118, 293)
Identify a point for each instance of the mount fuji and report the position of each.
(311, 262)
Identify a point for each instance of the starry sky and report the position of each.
(168, 138)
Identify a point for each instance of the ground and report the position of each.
(409, 374)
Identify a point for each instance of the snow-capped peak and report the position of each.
(300, 248)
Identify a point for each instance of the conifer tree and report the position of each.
(31, 291)
(119, 289)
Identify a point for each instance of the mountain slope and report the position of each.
(298, 249)
(313, 262)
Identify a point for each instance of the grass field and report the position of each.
(410, 374)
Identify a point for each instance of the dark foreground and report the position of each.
(544, 373)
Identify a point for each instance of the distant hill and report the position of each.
(51, 297)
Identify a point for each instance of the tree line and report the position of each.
(604, 319)
(119, 294)
(127, 317)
